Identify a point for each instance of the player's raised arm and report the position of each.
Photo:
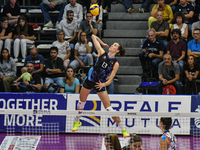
(97, 43)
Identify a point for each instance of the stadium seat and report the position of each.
(148, 85)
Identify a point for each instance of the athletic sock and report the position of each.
(77, 118)
(121, 126)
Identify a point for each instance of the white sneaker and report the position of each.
(57, 23)
(105, 11)
(16, 60)
(49, 24)
(23, 60)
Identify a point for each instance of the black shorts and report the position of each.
(89, 85)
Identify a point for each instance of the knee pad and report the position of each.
(81, 105)
(109, 108)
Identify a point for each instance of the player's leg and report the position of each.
(103, 95)
(80, 106)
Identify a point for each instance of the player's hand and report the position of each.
(99, 85)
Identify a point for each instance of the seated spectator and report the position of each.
(54, 69)
(169, 72)
(12, 11)
(70, 28)
(135, 143)
(152, 50)
(191, 72)
(194, 46)
(52, 5)
(98, 19)
(37, 60)
(195, 25)
(77, 9)
(7, 70)
(90, 27)
(5, 34)
(128, 6)
(23, 35)
(82, 54)
(167, 13)
(111, 142)
(70, 84)
(161, 28)
(177, 49)
(107, 6)
(179, 20)
(64, 50)
(34, 85)
(146, 4)
(26, 76)
(188, 10)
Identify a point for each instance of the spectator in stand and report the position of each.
(70, 28)
(64, 50)
(179, 20)
(12, 11)
(177, 49)
(146, 4)
(161, 28)
(169, 72)
(35, 84)
(194, 46)
(128, 6)
(135, 143)
(90, 27)
(7, 70)
(111, 142)
(54, 69)
(23, 35)
(37, 60)
(70, 84)
(191, 72)
(82, 55)
(52, 5)
(5, 34)
(107, 6)
(152, 50)
(188, 10)
(77, 9)
(196, 25)
(165, 8)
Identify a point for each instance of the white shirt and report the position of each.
(68, 29)
(82, 48)
(62, 48)
(78, 12)
(182, 29)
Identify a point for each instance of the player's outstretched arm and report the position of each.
(97, 43)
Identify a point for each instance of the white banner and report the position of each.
(132, 103)
(20, 143)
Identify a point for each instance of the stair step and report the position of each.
(129, 61)
(121, 7)
(129, 79)
(132, 51)
(125, 88)
(127, 16)
(129, 25)
(125, 33)
(125, 42)
(129, 70)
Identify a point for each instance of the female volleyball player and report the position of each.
(100, 76)
(167, 140)
(135, 143)
(111, 142)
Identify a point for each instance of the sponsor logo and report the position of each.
(41, 112)
(197, 120)
(132, 114)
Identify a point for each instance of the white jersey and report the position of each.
(172, 139)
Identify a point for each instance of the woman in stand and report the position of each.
(70, 84)
(191, 72)
(100, 76)
(82, 54)
(23, 35)
(179, 20)
(64, 50)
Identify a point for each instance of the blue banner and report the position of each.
(45, 102)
